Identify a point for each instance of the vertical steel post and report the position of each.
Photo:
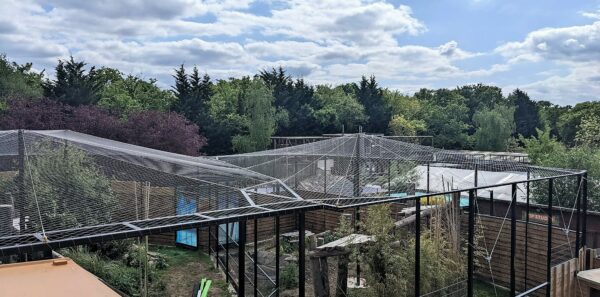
(218, 245)
(357, 193)
(418, 247)
(301, 257)
(227, 253)
(255, 257)
(21, 199)
(209, 240)
(549, 240)
(476, 181)
(428, 183)
(527, 209)
(295, 172)
(578, 206)
(325, 177)
(389, 177)
(356, 229)
(471, 243)
(492, 212)
(277, 248)
(242, 259)
(513, 240)
(585, 205)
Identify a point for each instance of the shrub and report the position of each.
(289, 276)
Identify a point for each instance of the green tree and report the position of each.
(494, 128)
(370, 95)
(550, 114)
(256, 107)
(527, 116)
(193, 93)
(479, 97)
(569, 121)
(401, 126)
(406, 114)
(69, 188)
(132, 93)
(243, 114)
(589, 131)
(446, 115)
(294, 102)
(18, 81)
(72, 85)
(544, 150)
(339, 111)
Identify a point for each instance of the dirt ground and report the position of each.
(186, 267)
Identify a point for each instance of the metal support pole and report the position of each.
(295, 172)
(476, 175)
(578, 206)
(549, 241)
(325, 177)
(356, 229)
(218, 245)
(513, 240)
(527, 209)
(389, 177)
(356, 168)
(277, 248)
(227, 253)
(427, 183)
(209, 240)
(255, 257)
(471, 243)
(242, 259)
(301, 257)
(492, 212)
(418, 247)
(585, 205)
(21, 199)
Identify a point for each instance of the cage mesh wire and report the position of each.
(59, 186)
(63, 187)
(353, 169)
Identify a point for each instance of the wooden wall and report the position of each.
(492, 235)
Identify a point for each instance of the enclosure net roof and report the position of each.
(61, 188)
(357, 168)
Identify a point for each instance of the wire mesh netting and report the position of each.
(58, 187)
(62, 188)
(355, 169)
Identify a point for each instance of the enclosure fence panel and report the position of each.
(62, 188)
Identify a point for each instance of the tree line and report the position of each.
(200, 115)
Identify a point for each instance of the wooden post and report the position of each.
(320, 275)
(341, 289)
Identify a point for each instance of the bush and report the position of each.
(289, 276)
(122, 271)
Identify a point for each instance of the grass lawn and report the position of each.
(482, 289)
(187, 267)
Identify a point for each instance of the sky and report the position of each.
(548, 48)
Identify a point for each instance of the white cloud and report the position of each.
(581, 84)
(575, 49)
(323, 41)
(577, 43)
(591, 15)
